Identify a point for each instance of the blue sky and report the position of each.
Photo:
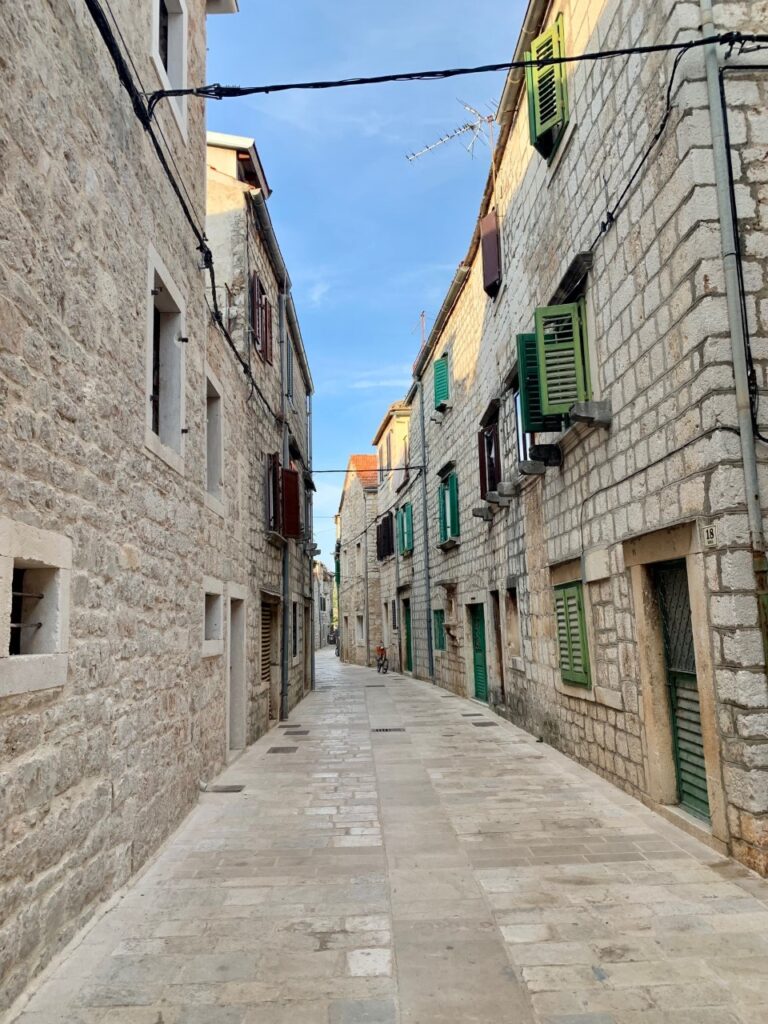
(369, 239)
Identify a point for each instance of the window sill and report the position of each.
(164, 452)
(448, 545)
(26, 673)
(213, 648)
(276, 539)
(216, 505)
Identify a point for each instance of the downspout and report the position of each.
(365, 583)
(425, 523)
(286, 552)
(311, 556)
(732, 292)
(397, 601)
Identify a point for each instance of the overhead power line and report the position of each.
(217, 91)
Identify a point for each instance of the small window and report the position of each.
(448, 508)
(513, 623)
(213, 621)
(490, 457)
(547, 90)
(170, 48)
(256, 313)
(572, 634)
(34, 610)
(272, 494)
(213, 441)
(394, 615)
(442, 382)
(490, 248)
(358, 559)
(385, 537)
(295, 629)
(438, 616)
(524, 440)
(289, 370)
(360, 630)
(166, 361)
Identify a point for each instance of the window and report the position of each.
(490, 457)
(213, 619)
(513, 623)
(267, 318)
(295, 629)
(289, 370)
(389, 451)
(394, 615)
(572, 634)
(405, 529)
(442, 382)
(553, 366)
(547, 90)
(358, 559)
(524, 440)
(491, 253)
(272, 494)
(385, 537)
(291, 525)
(448, 508)
(34, 613)
(438, 617)
(169, 51)
(214, 440)
(165, 368)
(256, 313)
(359, 630)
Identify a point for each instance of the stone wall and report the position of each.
(358, 517)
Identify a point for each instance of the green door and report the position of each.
(408, 639)
(671, 581)
(479, 664)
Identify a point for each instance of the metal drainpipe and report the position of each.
(311, 546)
(365, 584)
(282, 298)
(425, 520)
(728, 243)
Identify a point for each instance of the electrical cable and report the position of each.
(216, 91)
(140, 110)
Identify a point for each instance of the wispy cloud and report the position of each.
(386, 382)
(317, 292)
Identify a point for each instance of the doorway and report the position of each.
(479, 660)
(308, 644)
(237, 716)
(671, 584)
(268, 649)
(408, 635)
(499, 649)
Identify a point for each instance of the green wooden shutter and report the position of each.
(572, 634)
(439, 628)
(408, 526)
(561, 357)
(453, 497)
(399, 525)
(550, 97)
(534, 421)
(441, 493)
(442, 390)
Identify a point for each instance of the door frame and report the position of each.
(470, 656)
(236, 594)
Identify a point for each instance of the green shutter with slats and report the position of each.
(442, 518)
(400, 538)
(453, 497)
(547, 89)
(572, 634)
(442, 387)
(562, 358)
(534, 421)
(408, 527)
(439, 622)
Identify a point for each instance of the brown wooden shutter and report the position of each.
(291, 504)
(483, 468)
(489, 243)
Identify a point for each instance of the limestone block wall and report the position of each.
(358, 514)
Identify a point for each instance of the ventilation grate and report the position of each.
(375, 686)
(485, 725)
(282, 750)
(298, 732)
(471, 714)
(388, 730)
(231, 788)
(287, 725)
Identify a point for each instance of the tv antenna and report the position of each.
(476, 128)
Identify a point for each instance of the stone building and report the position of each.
(135, 559)
(596, 488)
(358, 567)
(322, 604)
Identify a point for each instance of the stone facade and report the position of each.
(359, 596)
(664, 483)
(142, 544)
(322, 604)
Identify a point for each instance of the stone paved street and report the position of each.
(452, 870)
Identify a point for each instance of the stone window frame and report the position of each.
(175, 458)
(359, 629)
(215, 501)
(213, 647)
(27, 673)
(177, 76)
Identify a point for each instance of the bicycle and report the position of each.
(382, 662)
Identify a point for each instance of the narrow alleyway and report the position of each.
(444, 870)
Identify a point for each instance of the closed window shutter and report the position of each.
(547, 89)
(442, 390)
(379, 555)
(291, 504)
(408, 517)
(491, 250)
(442, 491)
(267, 330)
(453, 496)
(483, 465)
(561, 357)
(439, 628)
(572, 634)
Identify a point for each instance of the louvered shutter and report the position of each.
(483, 465)
(550, 99)
(442, 492)
(408, 520)
(491, 250)
(534, 422)
(561, 357)
(379, 555)
(291, 504)
(453, 497)
(442, 389)
(572, 634)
